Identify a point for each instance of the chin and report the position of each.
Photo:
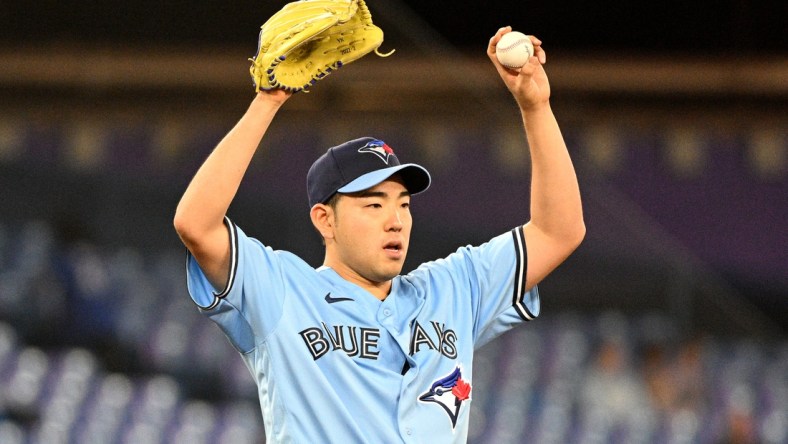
(389, 274)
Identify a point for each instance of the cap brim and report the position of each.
(415, 177)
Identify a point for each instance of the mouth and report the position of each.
(394, 249)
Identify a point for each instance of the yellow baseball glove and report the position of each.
(308, 39)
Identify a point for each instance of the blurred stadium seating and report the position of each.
(667, 326)
(103, 345)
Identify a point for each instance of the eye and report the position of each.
(374, 205)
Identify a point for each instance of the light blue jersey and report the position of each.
(335, 364)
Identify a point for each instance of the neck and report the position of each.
(378, 289)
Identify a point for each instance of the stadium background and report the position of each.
(668, 324)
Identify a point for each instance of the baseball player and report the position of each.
(354, 351)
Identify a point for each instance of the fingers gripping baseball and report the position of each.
(528, 83)
(539, 56)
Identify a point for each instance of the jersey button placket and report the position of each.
(386, 315)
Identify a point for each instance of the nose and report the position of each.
(395, 221)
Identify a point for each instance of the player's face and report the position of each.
(372, 231)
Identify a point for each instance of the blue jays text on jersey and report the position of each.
(363, 341)
(330, 359)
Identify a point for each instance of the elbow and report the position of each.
(180, 225)
(569, 238)
(194, 228)
(580, 233)
(575, 236)
(184, 227)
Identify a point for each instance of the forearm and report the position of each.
(212, 189)
(556, 227)
(556, 208)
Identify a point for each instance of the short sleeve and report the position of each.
(250, 304)
(489, 280)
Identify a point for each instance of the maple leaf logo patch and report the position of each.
(378, 148)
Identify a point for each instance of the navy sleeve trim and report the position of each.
(521, 267)
(233, 231)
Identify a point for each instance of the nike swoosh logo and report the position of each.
(331, 300)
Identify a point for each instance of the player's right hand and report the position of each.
(276, 95)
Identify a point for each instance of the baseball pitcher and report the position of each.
(354, 351)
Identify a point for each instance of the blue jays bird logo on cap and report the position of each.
(378, 148)
(449, 393)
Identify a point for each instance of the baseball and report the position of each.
(514, 49)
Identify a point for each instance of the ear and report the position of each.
(323, 219)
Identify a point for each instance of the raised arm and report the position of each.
(556, 227)
(199, 218)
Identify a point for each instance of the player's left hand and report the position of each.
(529, 83)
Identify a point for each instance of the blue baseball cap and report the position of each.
(358, 165)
